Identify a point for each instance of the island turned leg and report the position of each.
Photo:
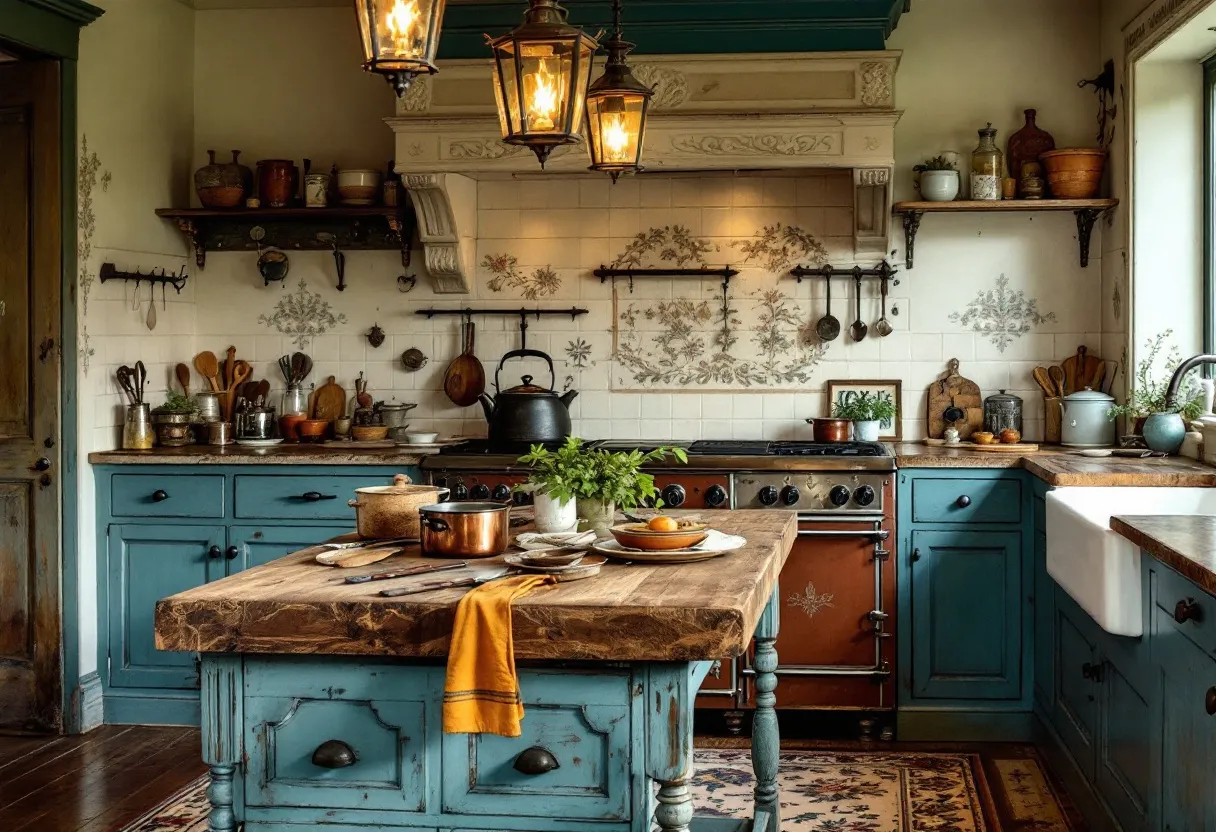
(222, 712)
(219, 794)
(669, 698)
(766, 738)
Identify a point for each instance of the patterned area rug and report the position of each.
(821, 791)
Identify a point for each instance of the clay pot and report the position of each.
(243, 171)
(276, 182)
(1074, 173)
(1031, 185)
(218, 186)
(289, 424)
(1027, 145)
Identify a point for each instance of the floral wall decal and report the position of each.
(779, 248)
(88, 176)
(303, 315)
(810, 601)
(579, 353)
(1001, 314)
(672, 244)
(541, 283)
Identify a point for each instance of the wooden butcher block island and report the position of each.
(322, 701)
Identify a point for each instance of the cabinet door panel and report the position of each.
(1124, 749)
(1076, 710)
(257, 545)
(148, 563)
(966, 615)
(1044, 625)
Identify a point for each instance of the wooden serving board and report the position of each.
(1002, 448)
(952, 390)
(329, 401)
(358, 446)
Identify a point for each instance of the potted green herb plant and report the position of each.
(556, 478)
(867, 411)
(600, 481)
(172, 420)
(939, 180)
(1148, 411)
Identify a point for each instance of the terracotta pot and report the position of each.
(831, 430)
(1074, 173)
(276, 182)
(289, 424)
(1027, 145)
(218, 186)
(311, 430)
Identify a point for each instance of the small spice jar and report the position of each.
(987, 163)
(1002, 411)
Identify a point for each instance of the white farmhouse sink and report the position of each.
(1097, 567)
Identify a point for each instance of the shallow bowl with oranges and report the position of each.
(661, 533)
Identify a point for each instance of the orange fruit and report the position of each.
(662, 524)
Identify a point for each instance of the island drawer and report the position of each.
(335, 735)
(1179, 598)
(579, 721)
(267, 497)
(167, 495)
(963, 500)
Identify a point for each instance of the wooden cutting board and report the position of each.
(1079, 370)
(1003, 448)
(329, 401)
(951, 391)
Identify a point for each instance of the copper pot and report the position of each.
(465, 530)
(831, 430)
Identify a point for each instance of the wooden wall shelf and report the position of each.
(371, 228)
(1087, 212)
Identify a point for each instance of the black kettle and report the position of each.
(528, 412)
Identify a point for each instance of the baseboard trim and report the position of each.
(151, 710)
(87, 706)
(937, 725)
(1079, 790)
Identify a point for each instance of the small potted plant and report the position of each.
(554, 482)
(939, 180)
(172, 420)
(1148, 399)
(867, 411)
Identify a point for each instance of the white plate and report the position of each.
(258, 443)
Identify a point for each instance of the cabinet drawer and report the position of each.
(320, 737)
(167, 495)
(1175, 596)
(966, 501)
(268, 497)
(582, 720)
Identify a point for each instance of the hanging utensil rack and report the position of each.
(883, 271)
(468, 312)
(178, 281)
(605, 273)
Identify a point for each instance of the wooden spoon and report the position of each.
(229, 367)
(1056, 373)
(465, 378)
(183, 378)
(208, 367)
(1044, 380)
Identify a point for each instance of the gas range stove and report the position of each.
(700, 448)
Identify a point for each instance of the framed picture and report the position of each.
(845, 389)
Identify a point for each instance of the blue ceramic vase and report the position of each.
(1164, 432)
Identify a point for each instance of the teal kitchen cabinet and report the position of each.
(966, 614)
(1043, 607)
(164, 529)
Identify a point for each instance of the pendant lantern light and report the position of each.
(400, 38)
(541, 72)
(616, 109)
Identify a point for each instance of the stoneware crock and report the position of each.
(1085, 422)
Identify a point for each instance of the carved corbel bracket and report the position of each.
(446, 205)
(871, 210)
(191, 231)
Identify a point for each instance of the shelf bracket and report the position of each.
(1086, 217)
(194, 234)
(911, 226)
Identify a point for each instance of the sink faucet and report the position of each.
(1171, 392)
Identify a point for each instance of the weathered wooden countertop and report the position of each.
(1059, 466)
(285, 454)
(636, 612)
(1184, 542)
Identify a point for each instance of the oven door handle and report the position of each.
(870, 534)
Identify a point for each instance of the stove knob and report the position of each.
(440, 482)
(674, 496)
(790, 495)
(715, 496)
(522, 498)
(768, 495)
(459, 492)
(839, 496)
(864, 496)
(502, 493)
(480, 491)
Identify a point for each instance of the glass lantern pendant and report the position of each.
(616, 110)
(541, 72)
(400, 38)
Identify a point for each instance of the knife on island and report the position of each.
(429, 586)
(405, 573)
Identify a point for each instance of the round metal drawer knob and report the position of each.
(1209, 702)
(963, 501)
(334, 754)
(536, 760)
(159, 496)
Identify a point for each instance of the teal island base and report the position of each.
(357, 744)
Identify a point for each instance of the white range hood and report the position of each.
(709, 113)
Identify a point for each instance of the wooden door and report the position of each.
(966, 615)
(30, 274)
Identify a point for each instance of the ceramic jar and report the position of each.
(276, 182)
(939, 185)
(1164, 432)
(1086, 422)
(597, 516)
(1026, 145)
(1002, 411)
(987, 162)
(359, 187)
(220, 186)
(316, 190)
(553, 517)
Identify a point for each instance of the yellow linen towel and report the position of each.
(481, 693)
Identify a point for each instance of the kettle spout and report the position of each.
(487, 404)
(568, 397)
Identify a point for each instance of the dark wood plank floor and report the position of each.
(93, 783)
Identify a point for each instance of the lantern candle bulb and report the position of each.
(400, 23)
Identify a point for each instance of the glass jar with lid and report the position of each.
(295, 401)
(987, 164)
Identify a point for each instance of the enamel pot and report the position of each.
(1085, 422)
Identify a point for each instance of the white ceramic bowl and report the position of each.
(421, 438)
(358, 187)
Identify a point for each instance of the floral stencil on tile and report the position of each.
(779, 248)
(541, 283)
(1002, 314)
(87, 179)
(303, 315)
(672, 244)
(810, 601)
(579, 353)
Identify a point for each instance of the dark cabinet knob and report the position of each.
(716, 496)
(522, 498)
(42, 464)
(480, 492)
(674, 496)
(864, 496)
(159, 496)
(536, 760)
(1187, 610)
(790, 495)
(502, 493)
(232, 553)
(1093, 672)
(963, 501)
(215, 553)
(316, 496)
(1209, 702)
(334, 754)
